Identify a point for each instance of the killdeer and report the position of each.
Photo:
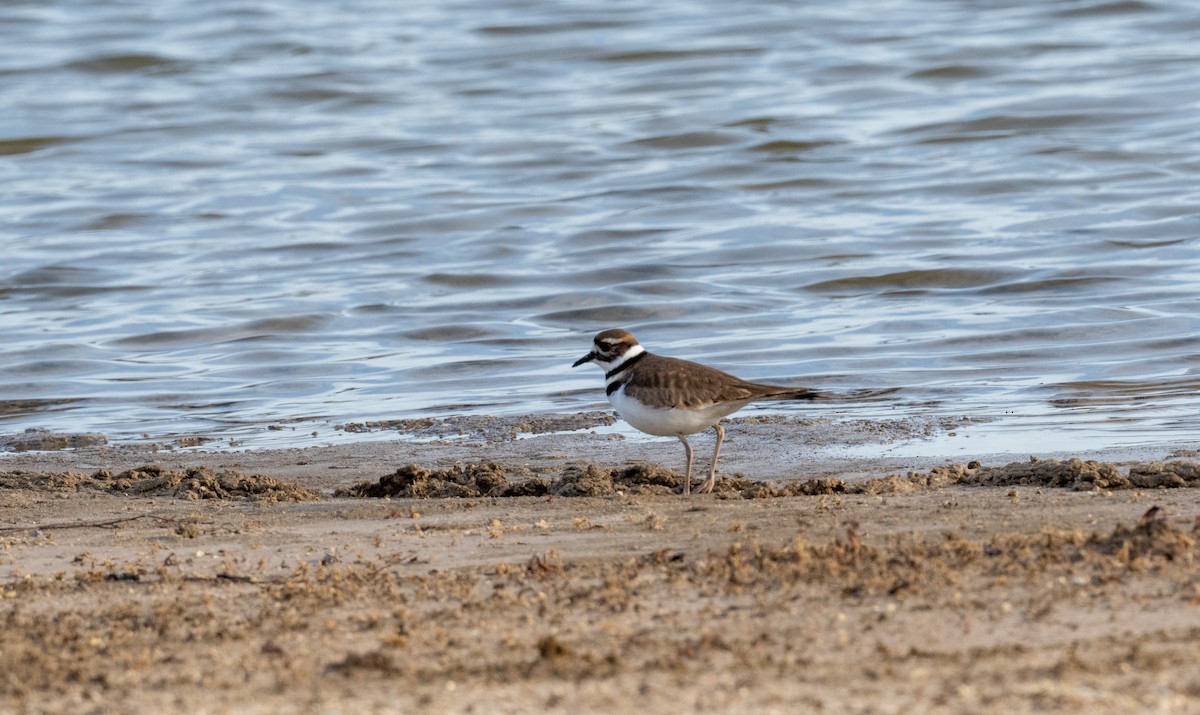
(669, 397)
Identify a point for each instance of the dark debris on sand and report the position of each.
(36, 439)
(487, 479)
(153, 480)
(1087, 475)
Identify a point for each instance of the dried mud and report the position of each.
(1042, 585)
(43, 440)
(488, 479)
(154, 480)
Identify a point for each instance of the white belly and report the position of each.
(670, 422)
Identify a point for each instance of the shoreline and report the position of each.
(765, 447)
(147, 579)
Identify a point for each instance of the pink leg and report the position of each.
(711, 482)
(687, 480)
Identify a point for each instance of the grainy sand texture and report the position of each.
(501, 567)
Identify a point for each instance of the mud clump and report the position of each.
(741, 487)
(204, 483)
(153, 480)
(474, 480)
(589, 481)
(1074, 474)
(595, 481)
(1153, 539)
(43, 440)
(487, 479)
(45, 481)
(1087, 475)
(1154, 475)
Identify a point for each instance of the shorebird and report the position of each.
(669, 397)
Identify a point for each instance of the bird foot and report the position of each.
(707, 486)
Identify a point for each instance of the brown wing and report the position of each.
(672, 382)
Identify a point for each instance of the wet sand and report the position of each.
(506, 566)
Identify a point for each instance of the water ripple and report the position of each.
(223, 215)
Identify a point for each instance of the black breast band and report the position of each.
(623, 366)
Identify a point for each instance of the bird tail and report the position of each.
(800, 393)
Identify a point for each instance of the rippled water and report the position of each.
(224, 215)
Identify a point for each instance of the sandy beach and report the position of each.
(510, 565)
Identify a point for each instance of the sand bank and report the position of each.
(503, 569)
